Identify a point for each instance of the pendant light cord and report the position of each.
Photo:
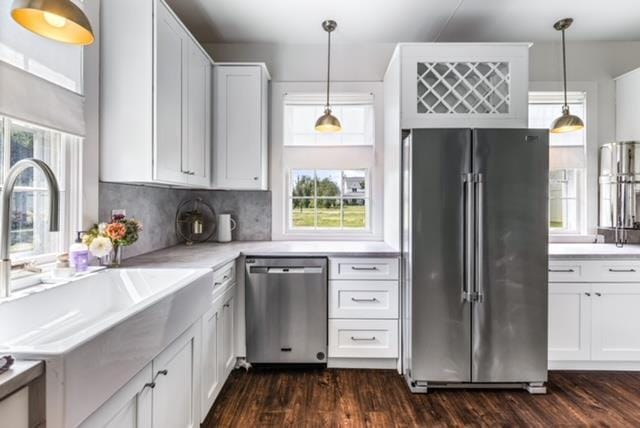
(564, 70)
(328, 65)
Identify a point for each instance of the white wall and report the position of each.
(593, 63)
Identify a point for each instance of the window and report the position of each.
(567, 177)
(328, 199)
(30, 236)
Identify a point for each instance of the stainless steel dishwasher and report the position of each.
(286, 310)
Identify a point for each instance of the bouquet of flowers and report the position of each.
(104, 238)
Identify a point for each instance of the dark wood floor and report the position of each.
(326, 398)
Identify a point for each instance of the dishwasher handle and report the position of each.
(285, 270)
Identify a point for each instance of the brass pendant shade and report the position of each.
(567, 122)
(59, 20)
(328, 122)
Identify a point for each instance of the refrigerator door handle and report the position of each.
(469, 233)
(478, 290)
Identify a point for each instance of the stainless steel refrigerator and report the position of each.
(474, 243)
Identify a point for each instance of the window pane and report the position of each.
(354, 213)
(542, 115)
(329, 213)
(328, 183)
(354, 183)
(303, 213)
(302, 183)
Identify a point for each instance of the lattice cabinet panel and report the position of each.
(463, 87)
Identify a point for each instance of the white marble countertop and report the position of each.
(593, 251)
(19, 375)
(214, 255)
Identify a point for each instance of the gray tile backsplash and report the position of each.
(156, 207)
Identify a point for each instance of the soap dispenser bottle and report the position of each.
(79, 255)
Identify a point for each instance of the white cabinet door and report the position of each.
(14, 409)
(628, 106)
(171, 43)
(227, 349)
(211, 375)
(240, 121)
(198, 117)
(616, 322)
(130, 407)
(176, 377)
(569, 321)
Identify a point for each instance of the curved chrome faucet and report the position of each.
(5, 213)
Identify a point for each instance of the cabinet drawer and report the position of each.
(363, 338)
(363, 268)
(616, 271)
(363, 299)
(566, 271)
(225, 275)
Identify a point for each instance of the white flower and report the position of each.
(102, 227)
(100, 246)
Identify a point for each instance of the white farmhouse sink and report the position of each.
(99, 331)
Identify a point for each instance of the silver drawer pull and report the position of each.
(561, 270)
(225, 277)
(621, 270)
(373, 299)
(151, 385)
(599, 294)
(367, 339)
(364, 268)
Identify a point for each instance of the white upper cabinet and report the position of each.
(628, 106)
(462, 85)
(155, 97)
(240, 126)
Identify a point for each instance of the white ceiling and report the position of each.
(391, 21)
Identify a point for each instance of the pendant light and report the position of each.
(567, 122)
(59, 20)
(328, 122)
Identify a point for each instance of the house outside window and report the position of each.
(567, 160)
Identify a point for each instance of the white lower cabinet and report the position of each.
(176, 377)
(569, 321)
(218, 351)
(130, 407)
(616, 322)
(593, 324)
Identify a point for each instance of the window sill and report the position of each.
(567, 238)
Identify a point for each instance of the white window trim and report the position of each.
(279, 173)
(590, 203)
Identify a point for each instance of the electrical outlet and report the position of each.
(118, 212)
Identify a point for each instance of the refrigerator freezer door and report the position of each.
(434, 168)
(509, 339)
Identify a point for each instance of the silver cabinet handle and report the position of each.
(364, 268)
(151, 385)
(224, 278)
(255, 178)
(587, 294)
(226, 305)
(599, 294)
(621, 270)
(373, 299)
(367, 339)
(162, 372)
(217, 283)
(561, 270)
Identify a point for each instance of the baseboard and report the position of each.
(595, 365)
(363, 363)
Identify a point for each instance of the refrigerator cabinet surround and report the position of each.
(475, 258)
(286, 306)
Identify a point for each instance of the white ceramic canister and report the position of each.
(225, 225)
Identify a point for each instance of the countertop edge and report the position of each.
(21, 374)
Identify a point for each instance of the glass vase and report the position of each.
(116, 258)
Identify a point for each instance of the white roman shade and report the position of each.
(566, 157)
(27, 97)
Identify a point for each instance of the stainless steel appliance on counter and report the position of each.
(475, 232)
(619, 188)
(286, 310)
